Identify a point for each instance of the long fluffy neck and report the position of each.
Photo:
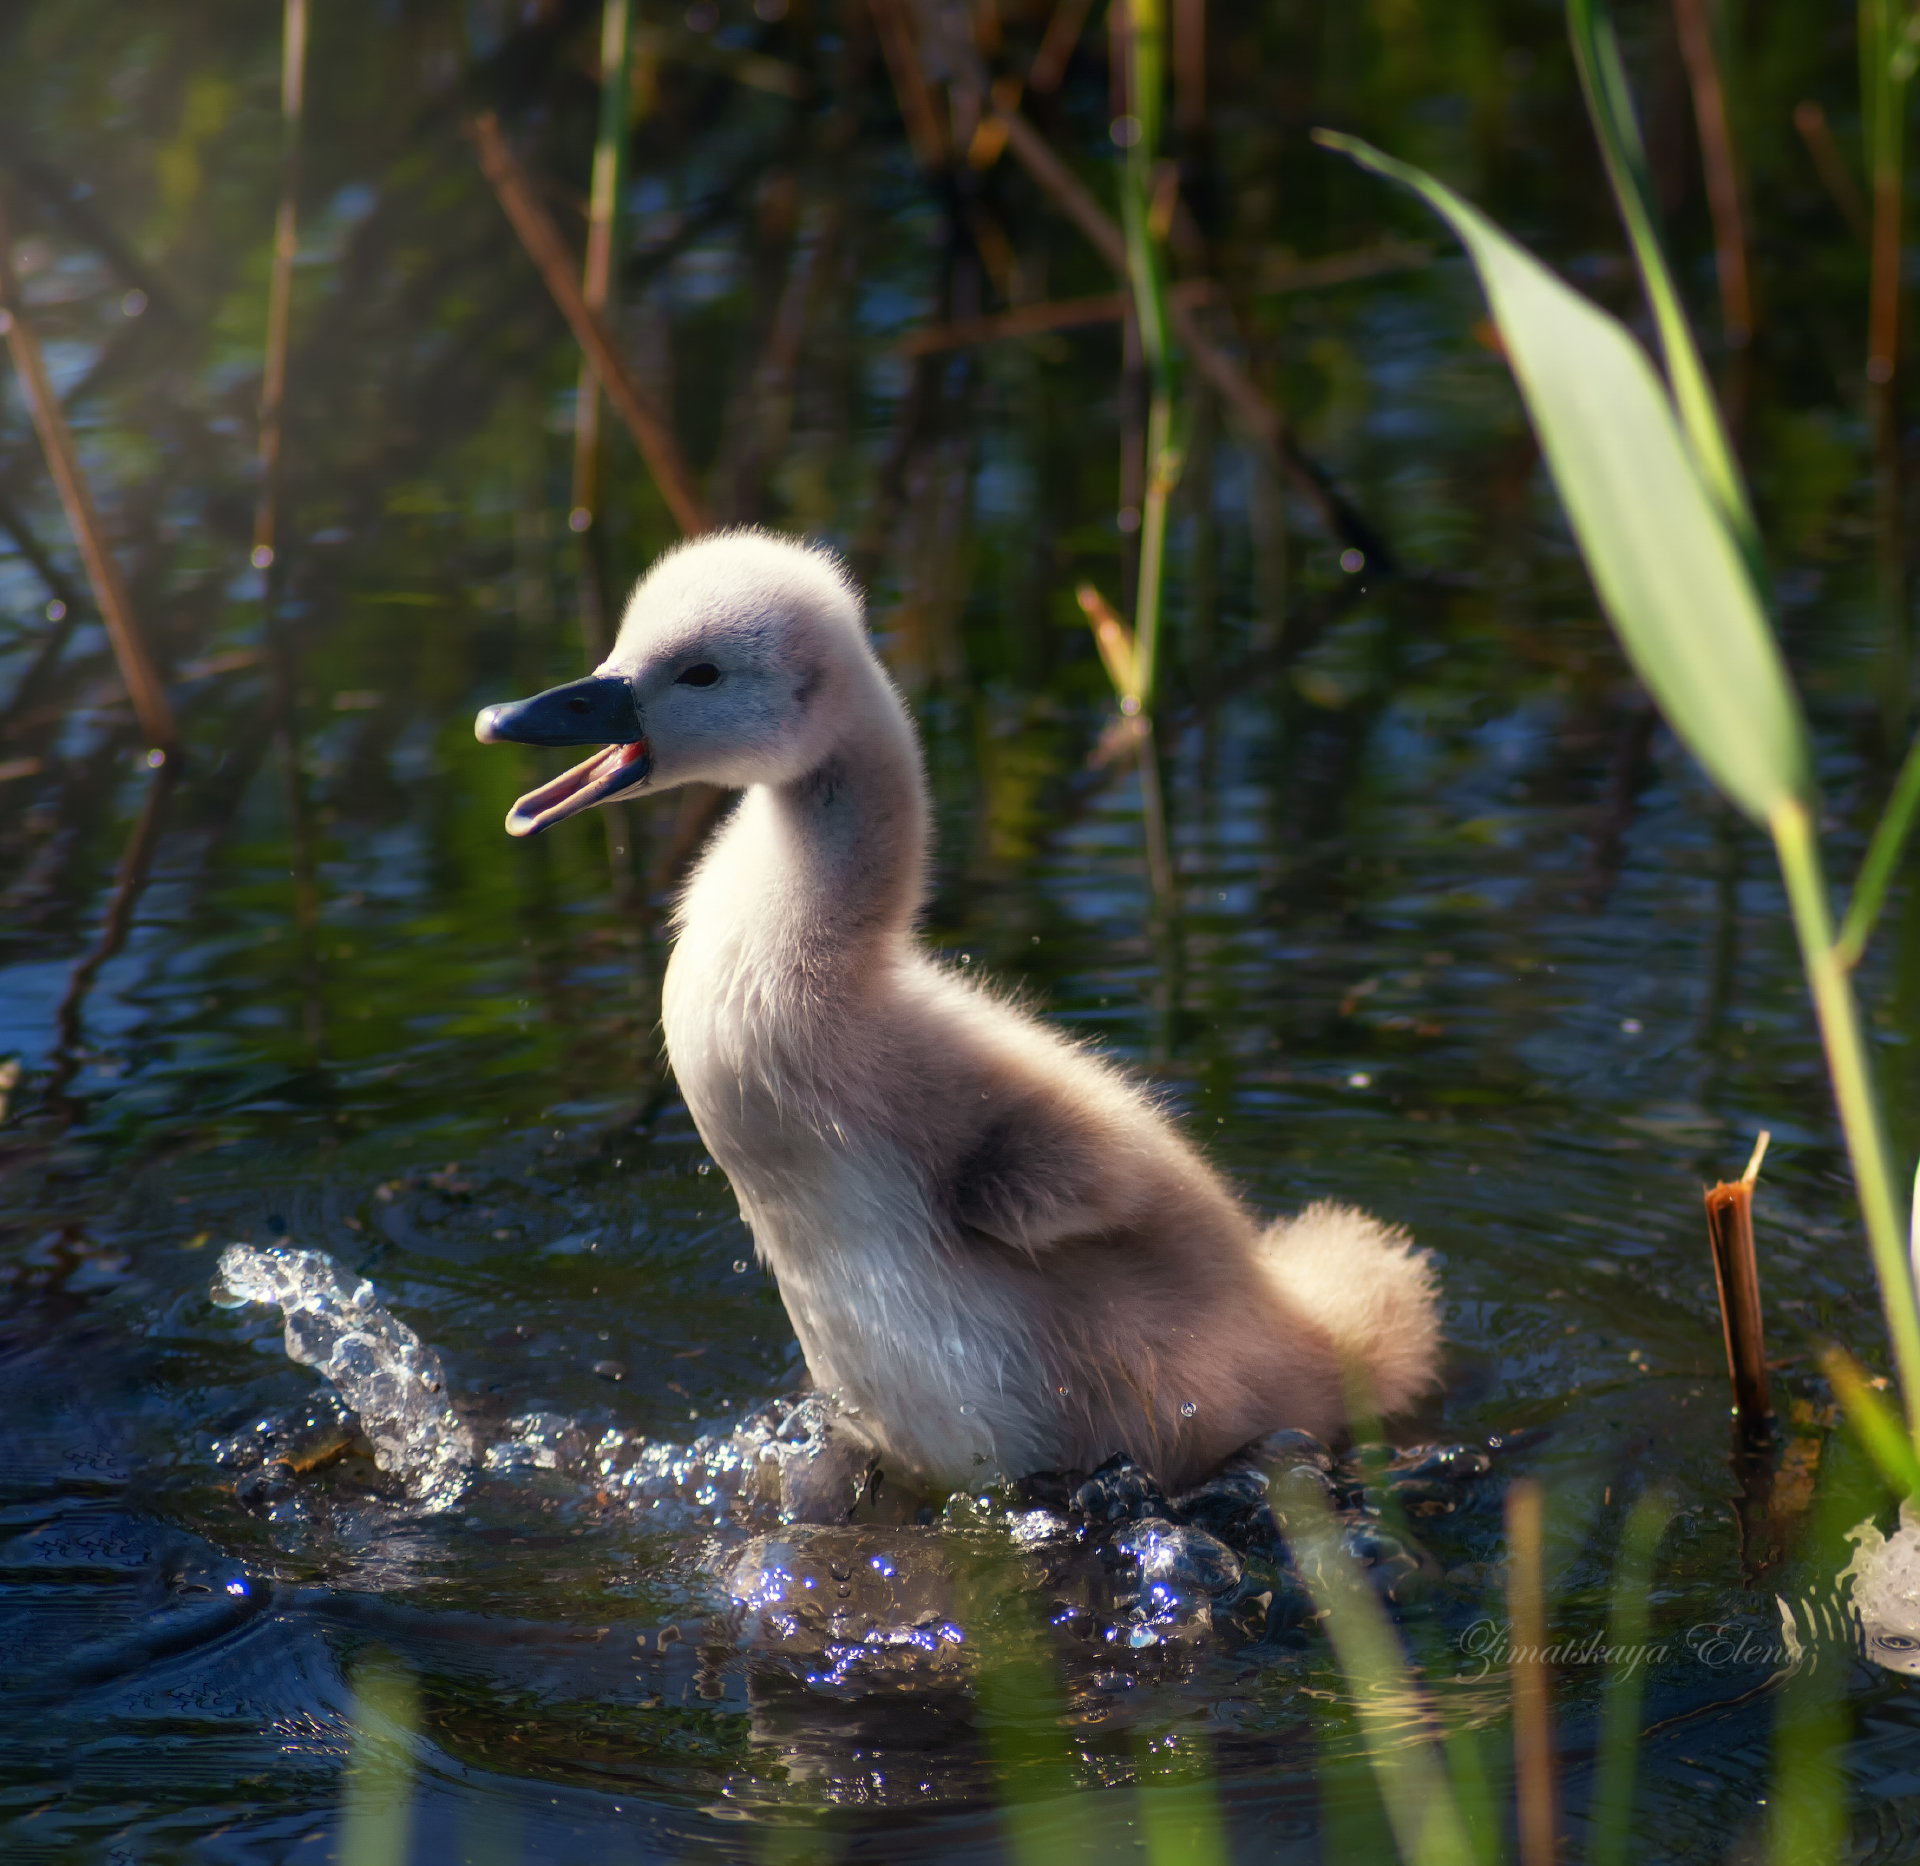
(819, 878)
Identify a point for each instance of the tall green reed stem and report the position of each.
(286, 246)
(1408, 1767)
(1620, 1715)
(1796, 842)
(1146, 267)
(1882, 858)
(603, 218)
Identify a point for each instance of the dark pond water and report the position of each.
(1456, 931)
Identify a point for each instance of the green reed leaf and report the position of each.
(1670, 571)
(1603, 78)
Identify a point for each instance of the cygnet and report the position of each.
(999, 1255)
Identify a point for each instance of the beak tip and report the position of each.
(484, 728)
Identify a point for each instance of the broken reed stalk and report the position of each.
(609, 163)
(1115, 641)
(144, 685)
(1737, 1276)
(1532, 1718)
(1723, 175)
(273, 378)
(548, 251)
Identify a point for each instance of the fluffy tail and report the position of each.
(1373, 1292)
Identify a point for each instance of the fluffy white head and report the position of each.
(739, 661)
(739, 648)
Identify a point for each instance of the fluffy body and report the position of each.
(995, 1250)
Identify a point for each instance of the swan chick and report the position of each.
(997, 1253)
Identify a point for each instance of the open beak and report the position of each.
(599, 710)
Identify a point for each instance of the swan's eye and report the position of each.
(700, 674)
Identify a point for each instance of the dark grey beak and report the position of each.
(599, 710)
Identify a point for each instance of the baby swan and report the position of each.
(996, 1252)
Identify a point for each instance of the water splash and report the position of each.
(780, 1463)
(384, 1371)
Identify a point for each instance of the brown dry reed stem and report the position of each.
(1110, 307)
(1722, 173)
(1256, 415)
(1056, 45)
(1811, 121)
(548, 251)
(1886, 55)
(1532, 1713)
(144, 686)
(897, 46)
(1190, 66)
(1072, 197)
(286, 242)
(1736, 1275)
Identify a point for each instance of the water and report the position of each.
(1458, 935)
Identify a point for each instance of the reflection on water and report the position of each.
(1451, 929)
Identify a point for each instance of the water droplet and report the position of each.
(1188, 1408)
(1630, 1026)
(739, 1266)
(1062, 1391)
(704, 1168)
(966, 1411)
(1359, 1079)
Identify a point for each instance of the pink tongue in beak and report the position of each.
(587, 784)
